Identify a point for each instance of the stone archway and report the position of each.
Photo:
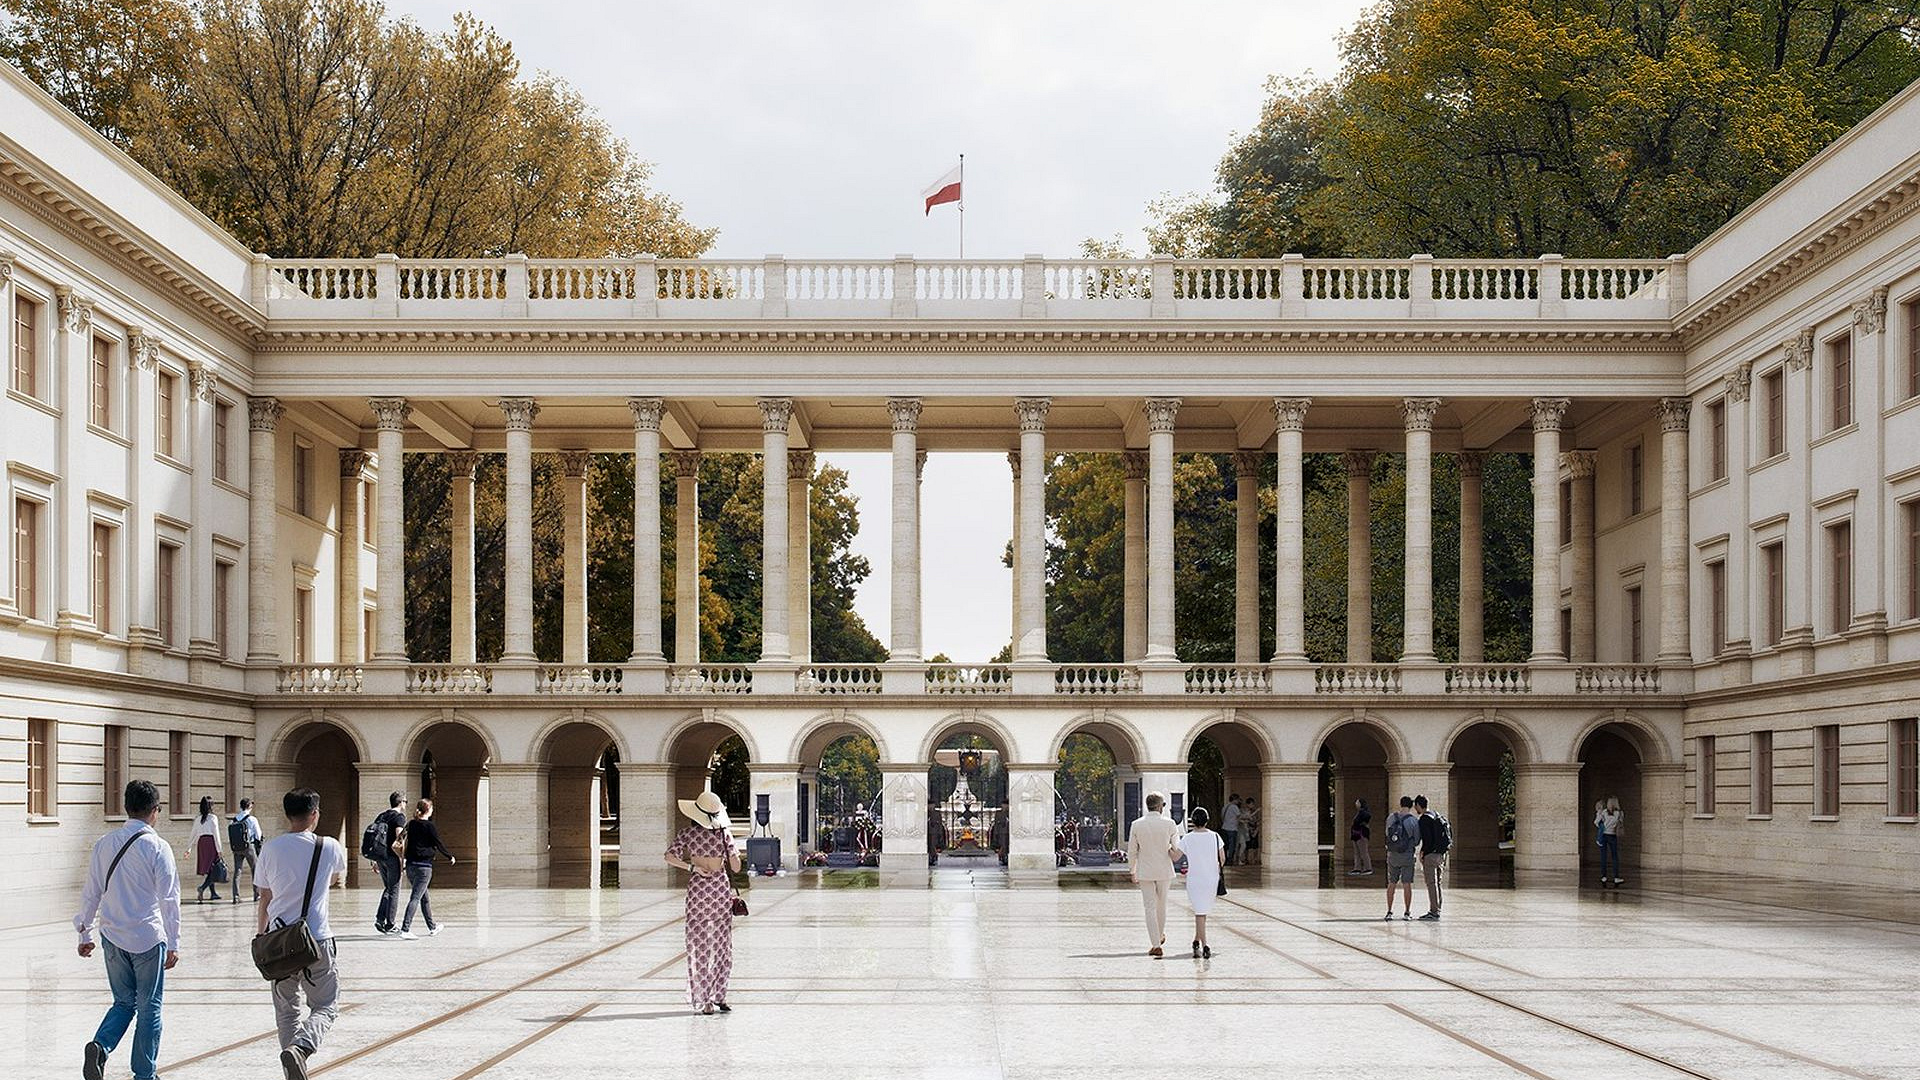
(1612, 757)
(1098, 789)
(1485, 758)
(324, 757)
(839, 790)
(1355, 757)
(453, 762)
(710, 751)
(582, 802)
(1224, 761)
(974, 817)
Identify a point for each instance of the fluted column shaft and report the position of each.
(647, 414)
(686, 557)
(1160, 614)
(390, 534)
(1359, 556)
(1473, 643)
(1133, 464)
(1585, 636)
(1417, 610)
(905, 633)
(519, 563)
(460, 466)
(1246, 557)
(263, 516)
(1290, 625)
(800, 554)
(1676, 645)
(573, 555)
(1031, 644)
(350, 644)
(775, 646)
(1547, 413)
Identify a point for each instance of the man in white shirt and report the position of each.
(133, 896)
(1150, 855)
(293, 882)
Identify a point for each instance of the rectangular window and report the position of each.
(1840, 575)
(1566, 512)
(103, 577)
(366, 634)
(232, 761)
(1717, 440)
(1566, 632)
(1826, 770)
(1717, 604)
(179, 770)
(1911, 513)
(163, 414)
(1760, 778)
(26, 558)
(222, 424)
(1633, 626)
(302, 614)
(1840, 381)
(302, 467)
(1912, 319)
(1636, 473)
(1773, 558)
(1774, 387)
(26, 346)
(165, 557)
(1704, 783)
(102, 383)
(41, 750)
(369, 504)
(1903, 768)
(113, 769)
(222, 597)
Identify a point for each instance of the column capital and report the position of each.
(799, 465)
(1674, 412)
(204, 378)
(461, 463)
(905, 412)
(1418, 412)
(686, 464)
(1547, 412)
(1160, 414)
(1247, 463)
(143, 347)
(775, 413)
(1471, 463)
(1133, 464)
(1798, 349)
(1033, 412)
(1359, 464)
(573, 463)
(76, 311)
(390, 413)
(264, 412)
(353, 463)
(1290, 414)
(1870, 315)
(6, 266)
(1739, 381)
(1580, 463)
(519, 413)
(647, 412)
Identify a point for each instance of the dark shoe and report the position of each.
(1156, 952)
(1431, 916)
(723, 1006)
(1206, 952)
(216, 896)
(1388, 917)
(293, 1063)
(1196, 948)
(93, 1065)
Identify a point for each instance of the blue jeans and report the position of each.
(1609, 846)
(136, 980)
(419, 875)
(389, 892)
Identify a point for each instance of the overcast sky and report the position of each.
(810, 130)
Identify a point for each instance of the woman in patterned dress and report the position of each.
(705, 850)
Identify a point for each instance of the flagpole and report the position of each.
(963, 206)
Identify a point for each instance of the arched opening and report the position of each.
(1353, 766)
(843, 824)
(1610, 761)
(453, 761)
(1223, 772)
(1482, 802)
(583, 806)
(1096, 779)
(324, 760)
(711, 756)
(967, 796)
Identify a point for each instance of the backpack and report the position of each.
(1399, 837)
(237, 834)
(1446, 836)
(376, 843)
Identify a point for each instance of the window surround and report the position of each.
(1839, 414)
(1765, 454)
(1903, 759)
(181, 421)
(1761, 769)
(116, 388)
(43, 374)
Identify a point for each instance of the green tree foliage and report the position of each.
(849, 777)
(1084, 780)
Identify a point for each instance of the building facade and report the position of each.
(204, 559)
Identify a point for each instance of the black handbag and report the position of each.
(219, 872)
(1220, 888)
(288, 950)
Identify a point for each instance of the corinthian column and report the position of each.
(390, 533)
(1160, 619)
(906, 531)
(1133, 467)
(1580, 466)
(1032, 561)
(519, 414)
(1676, 646)
(775, 646)
(1417, 613)
(1290, 625)
(460, 466)
(263, 517)
(573, 555)
(1359, 556)
(1473, 643)
(1547, 413)
(647, 413)
(686, 557)
(1246, 556)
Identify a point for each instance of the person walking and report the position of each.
(705, 850)
(132, 897)
(1434, 843)
(1206, 856)
(1607, 822)
(297, 868)
(1150, 841)
(243, 839)
(382, 847)
(1360, 836)
(421, 841)
(1230, 828)
(205, 842)
(1403, 835)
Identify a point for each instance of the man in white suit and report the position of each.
(1150, 855)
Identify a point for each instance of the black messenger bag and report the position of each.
(286, 951)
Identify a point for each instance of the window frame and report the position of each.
(1840, 379)
(222, 463)
(113, 769)
(1773, 562)
(1826, 772)
(302, 624)
(102, 376)
(103, 543)
(1910, 315)
(231, 766)
(166, 414)
(26, 344)
(166, 593)
(1840, 600)
(1760, 773)
(1636, 625)
(1636, 477)
(1773, 387)
(1717, 439)
(179, 771)
(302, 477)
(222, 587)
(29, 556)
(1706, 780)
(1717, 606)
(43, 769)
(1903, 768)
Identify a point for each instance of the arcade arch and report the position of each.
(840, 786)
(1223, 760)
(709, 751)
(1355, 754)
(1097, 788)
(325, 756)
(969, 796)
(1484, 756)
(1612, 757)
(452, 758)
(582, 760)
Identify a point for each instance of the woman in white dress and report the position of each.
(1206, 854)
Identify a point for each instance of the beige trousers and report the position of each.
(1153, 896)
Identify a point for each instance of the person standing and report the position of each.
(1206, 856)
(205, 843)
(1608, 822)
(132, 897)
(1250, 832)
(297, 868)
(705, 850)
(243, 839)
(1434, 843)
(1150, 841)
(1403, 835)
(1230, 828)
(1360, 835)
(384, 845)
(421, 841)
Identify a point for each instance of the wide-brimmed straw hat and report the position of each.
(707, 811)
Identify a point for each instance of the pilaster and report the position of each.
(1030, 813)
(1246, 556)
(349, 596)
(573, 555)
(903, 814)
(1473, 647)
(1359, 464)
(686, 558)
(1548, 823)
(1133, 466)
(1580, 469)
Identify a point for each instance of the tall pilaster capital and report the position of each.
(1418, 412)
(519, 412)
(905, 412)
(461, 463)
(647, 412)
(1799, 349)
(1548, 412)
(775, 414)
(1870, 315)
(1013, 462)
(390, 413)
(6, 266)
(1739, 382)
(1580, 463)
(1674, 412)
(354, 462)
(76, 311)
(1290, 414)
(1032, 412)
(573, 463)
(1359, 464)
(264, 412)
(143, 347)
(204, 380)
(1247, 463)
(799, 466)
(919, 464)
(1160, 413)
(1471, 463)
(1133, 464)
(686, 464)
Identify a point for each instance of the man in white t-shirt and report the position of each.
(291, 881)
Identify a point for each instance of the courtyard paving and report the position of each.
(970, 979)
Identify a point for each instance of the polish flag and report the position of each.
(944, 190)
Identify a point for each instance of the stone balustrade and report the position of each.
(1229, 679)
(969, 679)
(1617, 679)
(1096, 679)
(839, 679)
(319, 679)
(1489, 679)
(711, 679)
(449, 679)
(1356, 679)
(577, 679)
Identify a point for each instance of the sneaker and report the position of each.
(93, 1065)
(293, 1063)
(1406, 916)
(434, 931)
(408, 935)
(1388, 917)
(1619, 881)
(1431, 916)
